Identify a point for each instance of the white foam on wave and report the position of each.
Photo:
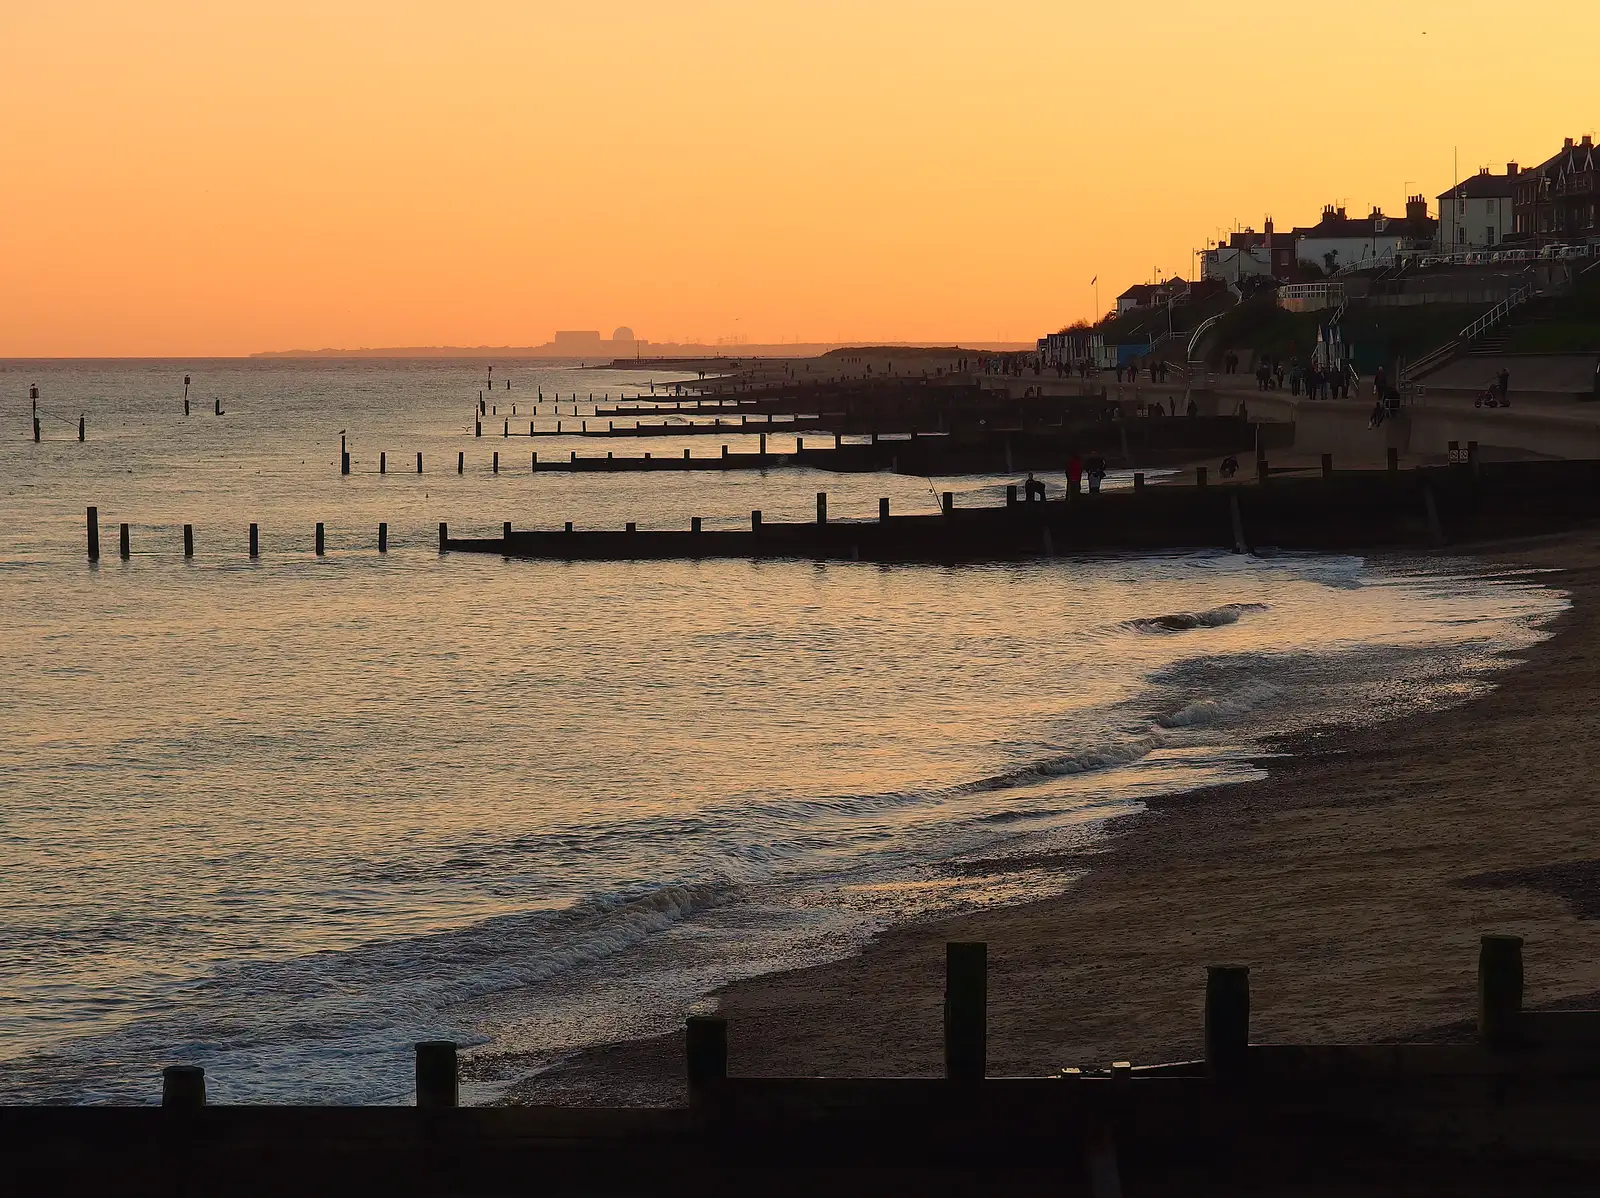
(1214, 709)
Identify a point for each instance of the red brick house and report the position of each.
(1558, 201)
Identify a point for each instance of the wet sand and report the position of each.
(1354, 881)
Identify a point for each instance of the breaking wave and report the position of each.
(1187, 621)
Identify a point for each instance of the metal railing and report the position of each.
(1496, 314)
(1200, 330)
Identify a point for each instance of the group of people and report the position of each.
(1158, 372)
(1318, 382)
(1079, 468)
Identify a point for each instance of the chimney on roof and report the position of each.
(1377, 213)
(1339, 212)
(1511, 168)
(1416, 208)
(1568, 146)
(1483, 170)
(1588, 140)
(1268, 229)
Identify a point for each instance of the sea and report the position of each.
(282, 817)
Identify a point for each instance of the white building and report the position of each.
(1337, 241)
(1476, 212)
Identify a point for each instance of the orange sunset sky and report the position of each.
(196, 178)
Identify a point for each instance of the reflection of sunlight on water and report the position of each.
(352, 802)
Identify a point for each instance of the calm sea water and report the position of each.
(284, 817)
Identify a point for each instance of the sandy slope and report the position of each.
(1354, 881)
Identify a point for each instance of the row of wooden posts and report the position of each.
(533, 463)
(1225, 1032)
(124, 543)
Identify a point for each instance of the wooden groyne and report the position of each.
(1509, 1107)
(1331, 510)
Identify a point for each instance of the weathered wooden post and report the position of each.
(694, 523)
(1227, 1019)
(1239, 544)
(1327, 465)
(838, 440)
(319, 538)
(966, 1011)
(883, 510)
(80, 428)
(630, 526)
(533, 462)
(444, 536)
(255, 540)
(497, 461)
(477, 428)
(1393, 456)
(724, 453)
(419, 463)
(437, 1084)
(686, 455)
(1261, 470)
(188, 540)
(383, 537)
(383, 463)
(123, 539)
(799, 444)
(705, 1043)
(183, 1087)
(1499, 989)
(1138, 481)
(822, 507)
(1199, 476)
(569, 526)
(94, 534)
(763, 447)
(755, 520)
(505, 530)
(1011, 494)
(506, 432)
(947, 503)
(461, 460)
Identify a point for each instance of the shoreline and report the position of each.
(1354, 880)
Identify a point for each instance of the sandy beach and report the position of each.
(1354, 880)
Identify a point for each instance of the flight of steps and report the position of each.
(1493, 342)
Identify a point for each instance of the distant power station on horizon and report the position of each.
(588, 343)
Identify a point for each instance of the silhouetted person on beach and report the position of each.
(1097, 471)
(1193, 409)
(1504, 379)
(1074, 473)
(1229, 467)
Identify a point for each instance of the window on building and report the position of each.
(1489, 240)
(1461, 234)
(1491, 205)
(1461, 207)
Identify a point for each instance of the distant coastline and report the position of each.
(653, 352)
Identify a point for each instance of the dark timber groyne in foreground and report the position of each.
(1349, 511)
(1511, 1109)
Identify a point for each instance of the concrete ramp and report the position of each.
(1540, 374)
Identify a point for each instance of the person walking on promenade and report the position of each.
(1380, 383)
(1504, 379)
(1194, 408)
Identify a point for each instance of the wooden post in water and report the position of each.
(1011, 495)
(80, 428)
(94, 534)
(419, 463)
(437, 1085)
(966, 1015)
(755, 520)
(1199, 476)
(123, 547)
(383, 463)
(319, 538)
(497, 461)
(383, 537)
(947, 503)
(506, 432)
(1227, 1019)
(883, 509)
(461, 460)
(255, 540)
(724, 453)
(188, 540)
(705, 1043)
(1138, 481)
(1499, 989)
(763, 447)
(1393, 456)
(444, 536)
(799, 444)
(1327, 465)
(183, 1087)
(822, 507)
